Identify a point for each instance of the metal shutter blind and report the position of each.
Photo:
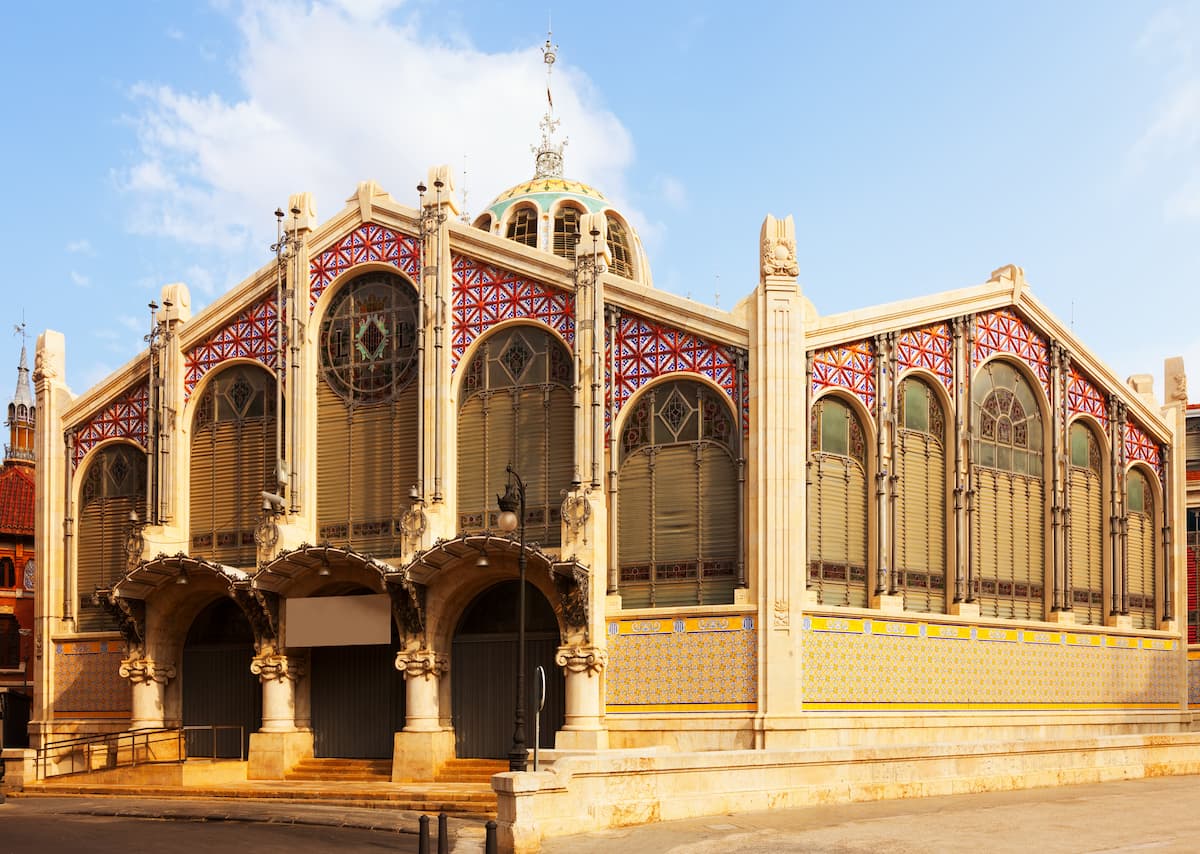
(839, 504)
(635, 555)
(1087, 553)
(1141, 567)
(100, 554)
(473, 469)
(921, 530)
(718, 525)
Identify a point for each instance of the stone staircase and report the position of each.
(470, 770)
(347, 770)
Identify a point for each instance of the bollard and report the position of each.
(489, 839)
(423, 835)
(443, 836)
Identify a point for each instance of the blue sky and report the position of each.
(919, 146)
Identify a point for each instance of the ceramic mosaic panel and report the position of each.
(1084, 398)
(124, 418)
(647, 350)
(702, 664)
(250, 335)
(855, 663)
(848, 366)
(485, 295)
(1139, 446)
(931, 348)
(368, 242)
(86, 680)
(1004, 331)
(1194, 680)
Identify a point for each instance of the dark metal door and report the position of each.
(219, 689)
(484, 688)
(357, 700)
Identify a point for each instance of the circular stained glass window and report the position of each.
(30, 572)
(369, 339)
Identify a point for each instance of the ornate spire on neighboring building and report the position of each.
(21, 412)
(549, 155)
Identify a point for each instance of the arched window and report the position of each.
(921, 511)
(1140, 550)
(678, 496)
(233, 462)
(619, 248)
(566, 230)
(114, 486)
(1086, 541)
(8, 572)
(837, 505)
(484, 222)
(1008, 515)
(516, 407)
(367, 414)
(523, 226)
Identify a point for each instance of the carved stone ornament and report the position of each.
(143, 671)
(576, 509)
(581, 659)
(421, 663)
(781, 614)
(273, 665)
(128, 614)
(44, 367)
(266, 535)
(779, 247)
(261, 608)
(408, 604)
(414, 522)
(573, 596)
(135, 543)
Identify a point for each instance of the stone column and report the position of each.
(423, 746)
(148, 679)
(278, 674)
(583, 667)
(421, 670)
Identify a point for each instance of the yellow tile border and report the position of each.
(680, 707)
(979, 707)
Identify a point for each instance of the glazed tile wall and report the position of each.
(86, 680)
(123, 418)
(368, 242)
(250, 335)
(866, 662)
(682, 664)
(1194, 679)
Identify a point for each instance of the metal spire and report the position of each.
(23, 394)
(549, 155)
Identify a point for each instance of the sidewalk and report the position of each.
(1158, 814)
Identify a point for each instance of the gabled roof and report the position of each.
(16, 501)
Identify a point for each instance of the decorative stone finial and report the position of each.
(1176, 379)
(779, 247)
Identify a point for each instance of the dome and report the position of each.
(545, 192)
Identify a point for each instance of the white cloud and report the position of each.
(337, 94)
(672, 191)
(80, 279)
(82, 246)
(174, 34)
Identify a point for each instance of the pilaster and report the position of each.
(278, 674)
(777, 460)
(148, 679)
(52, 531)
(584, 669)
(424, 745)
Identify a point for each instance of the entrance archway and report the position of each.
(483, 672)
(218, 687)
(356, 696)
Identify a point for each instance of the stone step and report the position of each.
(470, 770)
(365, 770)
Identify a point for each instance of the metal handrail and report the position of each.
(127, 749)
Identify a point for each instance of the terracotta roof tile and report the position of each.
(16, 500)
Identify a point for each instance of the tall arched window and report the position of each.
(1009, 550)
(233, 461)
(516, 407)
(837, 505)
(8, 572)
(921, 511)
(1087, 526)
(1140, 550)
(523, 226)
(619, 248)
(678, 497)
(566, 230)
(367, 414)
(114, 486)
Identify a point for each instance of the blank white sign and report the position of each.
(337, 620)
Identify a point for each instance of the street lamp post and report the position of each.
(512, 518)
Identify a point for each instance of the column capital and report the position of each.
(143, 671)
(581, 659)
(276, 666)
(422, 663)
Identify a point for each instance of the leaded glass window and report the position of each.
(678, 498)
(233, 462)
(837, 505)
(523, 226)
(566, 230)
(1086, 539)
(920, 572)
(1008, 509)
(113, 487)
(367, 425)
(516, 407)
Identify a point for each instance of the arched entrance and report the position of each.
(356, 696)
(483, 672)
(218, 687)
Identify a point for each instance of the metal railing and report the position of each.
(128, 749)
